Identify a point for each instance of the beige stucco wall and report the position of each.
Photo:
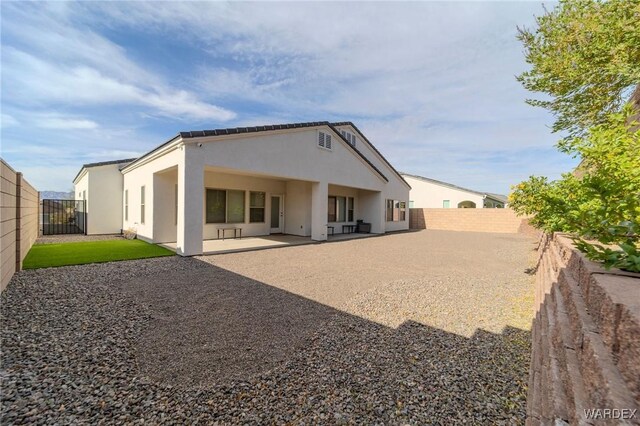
(295, 155)
(18, 221)
(81, 192)
(298, 208)
(430, 195)
(104, 200)
(276, 162)
(144, 176)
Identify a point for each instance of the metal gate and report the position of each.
(63, 217)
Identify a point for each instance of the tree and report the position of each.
(585, 55)
(603, 204)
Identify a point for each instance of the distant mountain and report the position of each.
(56, 195)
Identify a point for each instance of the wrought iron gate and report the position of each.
(63, 217)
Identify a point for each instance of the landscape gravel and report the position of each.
(414, 328)
(75, 238)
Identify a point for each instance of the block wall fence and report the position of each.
(473, 220)
(585, 340)
(18, 221)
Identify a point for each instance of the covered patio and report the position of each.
(235, 245)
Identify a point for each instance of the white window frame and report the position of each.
(226, 206)
(143, 196)
(398, 212)
(264, 207)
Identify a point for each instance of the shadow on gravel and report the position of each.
(235, 350)
(213, 327)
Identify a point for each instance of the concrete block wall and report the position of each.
(473, 220)
(18, 221)
(585, 340)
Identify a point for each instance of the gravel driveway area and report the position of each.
(428, 327)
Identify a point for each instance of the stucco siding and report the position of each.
(81, 189)
(104, 200)
(291, 155)
(133, 182)
(430, 195)
(288, 163)
(298, 208)
(295, 155)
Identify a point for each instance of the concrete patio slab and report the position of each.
(236, 245)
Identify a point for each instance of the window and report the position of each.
(225, 206)
(324, 140)
(235, 206)
(332, 209)
(216, 206)
(84, 195)
(256, 207)
(142, 190)
(411, 204)
(396, 211)
(337, 209)
(126, 204)
(445, 204)
(350, 204)
(341, 207)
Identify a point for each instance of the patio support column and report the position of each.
(190, 201)
(319, 202)
(379, 221)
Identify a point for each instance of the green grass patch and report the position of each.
(64, 254)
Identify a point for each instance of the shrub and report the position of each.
(601, 201)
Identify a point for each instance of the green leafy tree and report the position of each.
(585, 55)
(603, 204)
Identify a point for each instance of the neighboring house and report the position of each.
(306, 179)
(431, 193)
(99, 185)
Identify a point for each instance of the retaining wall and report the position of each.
(474, 220)
(18, 221)
(585, 340)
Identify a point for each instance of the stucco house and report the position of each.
(99, 185)
(306, 179)
(431, 193)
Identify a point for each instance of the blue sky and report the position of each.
(430, 83)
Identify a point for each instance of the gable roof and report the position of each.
(496, 197)
(254, 129)
(349, 123)
(123, 162)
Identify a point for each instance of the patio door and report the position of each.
(277, 214)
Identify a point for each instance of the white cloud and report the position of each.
(33, 81)
(49, 61)
(66, 123)
(431, 84)
(7, 120)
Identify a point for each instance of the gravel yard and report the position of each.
(75, 238)
(425, 327)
